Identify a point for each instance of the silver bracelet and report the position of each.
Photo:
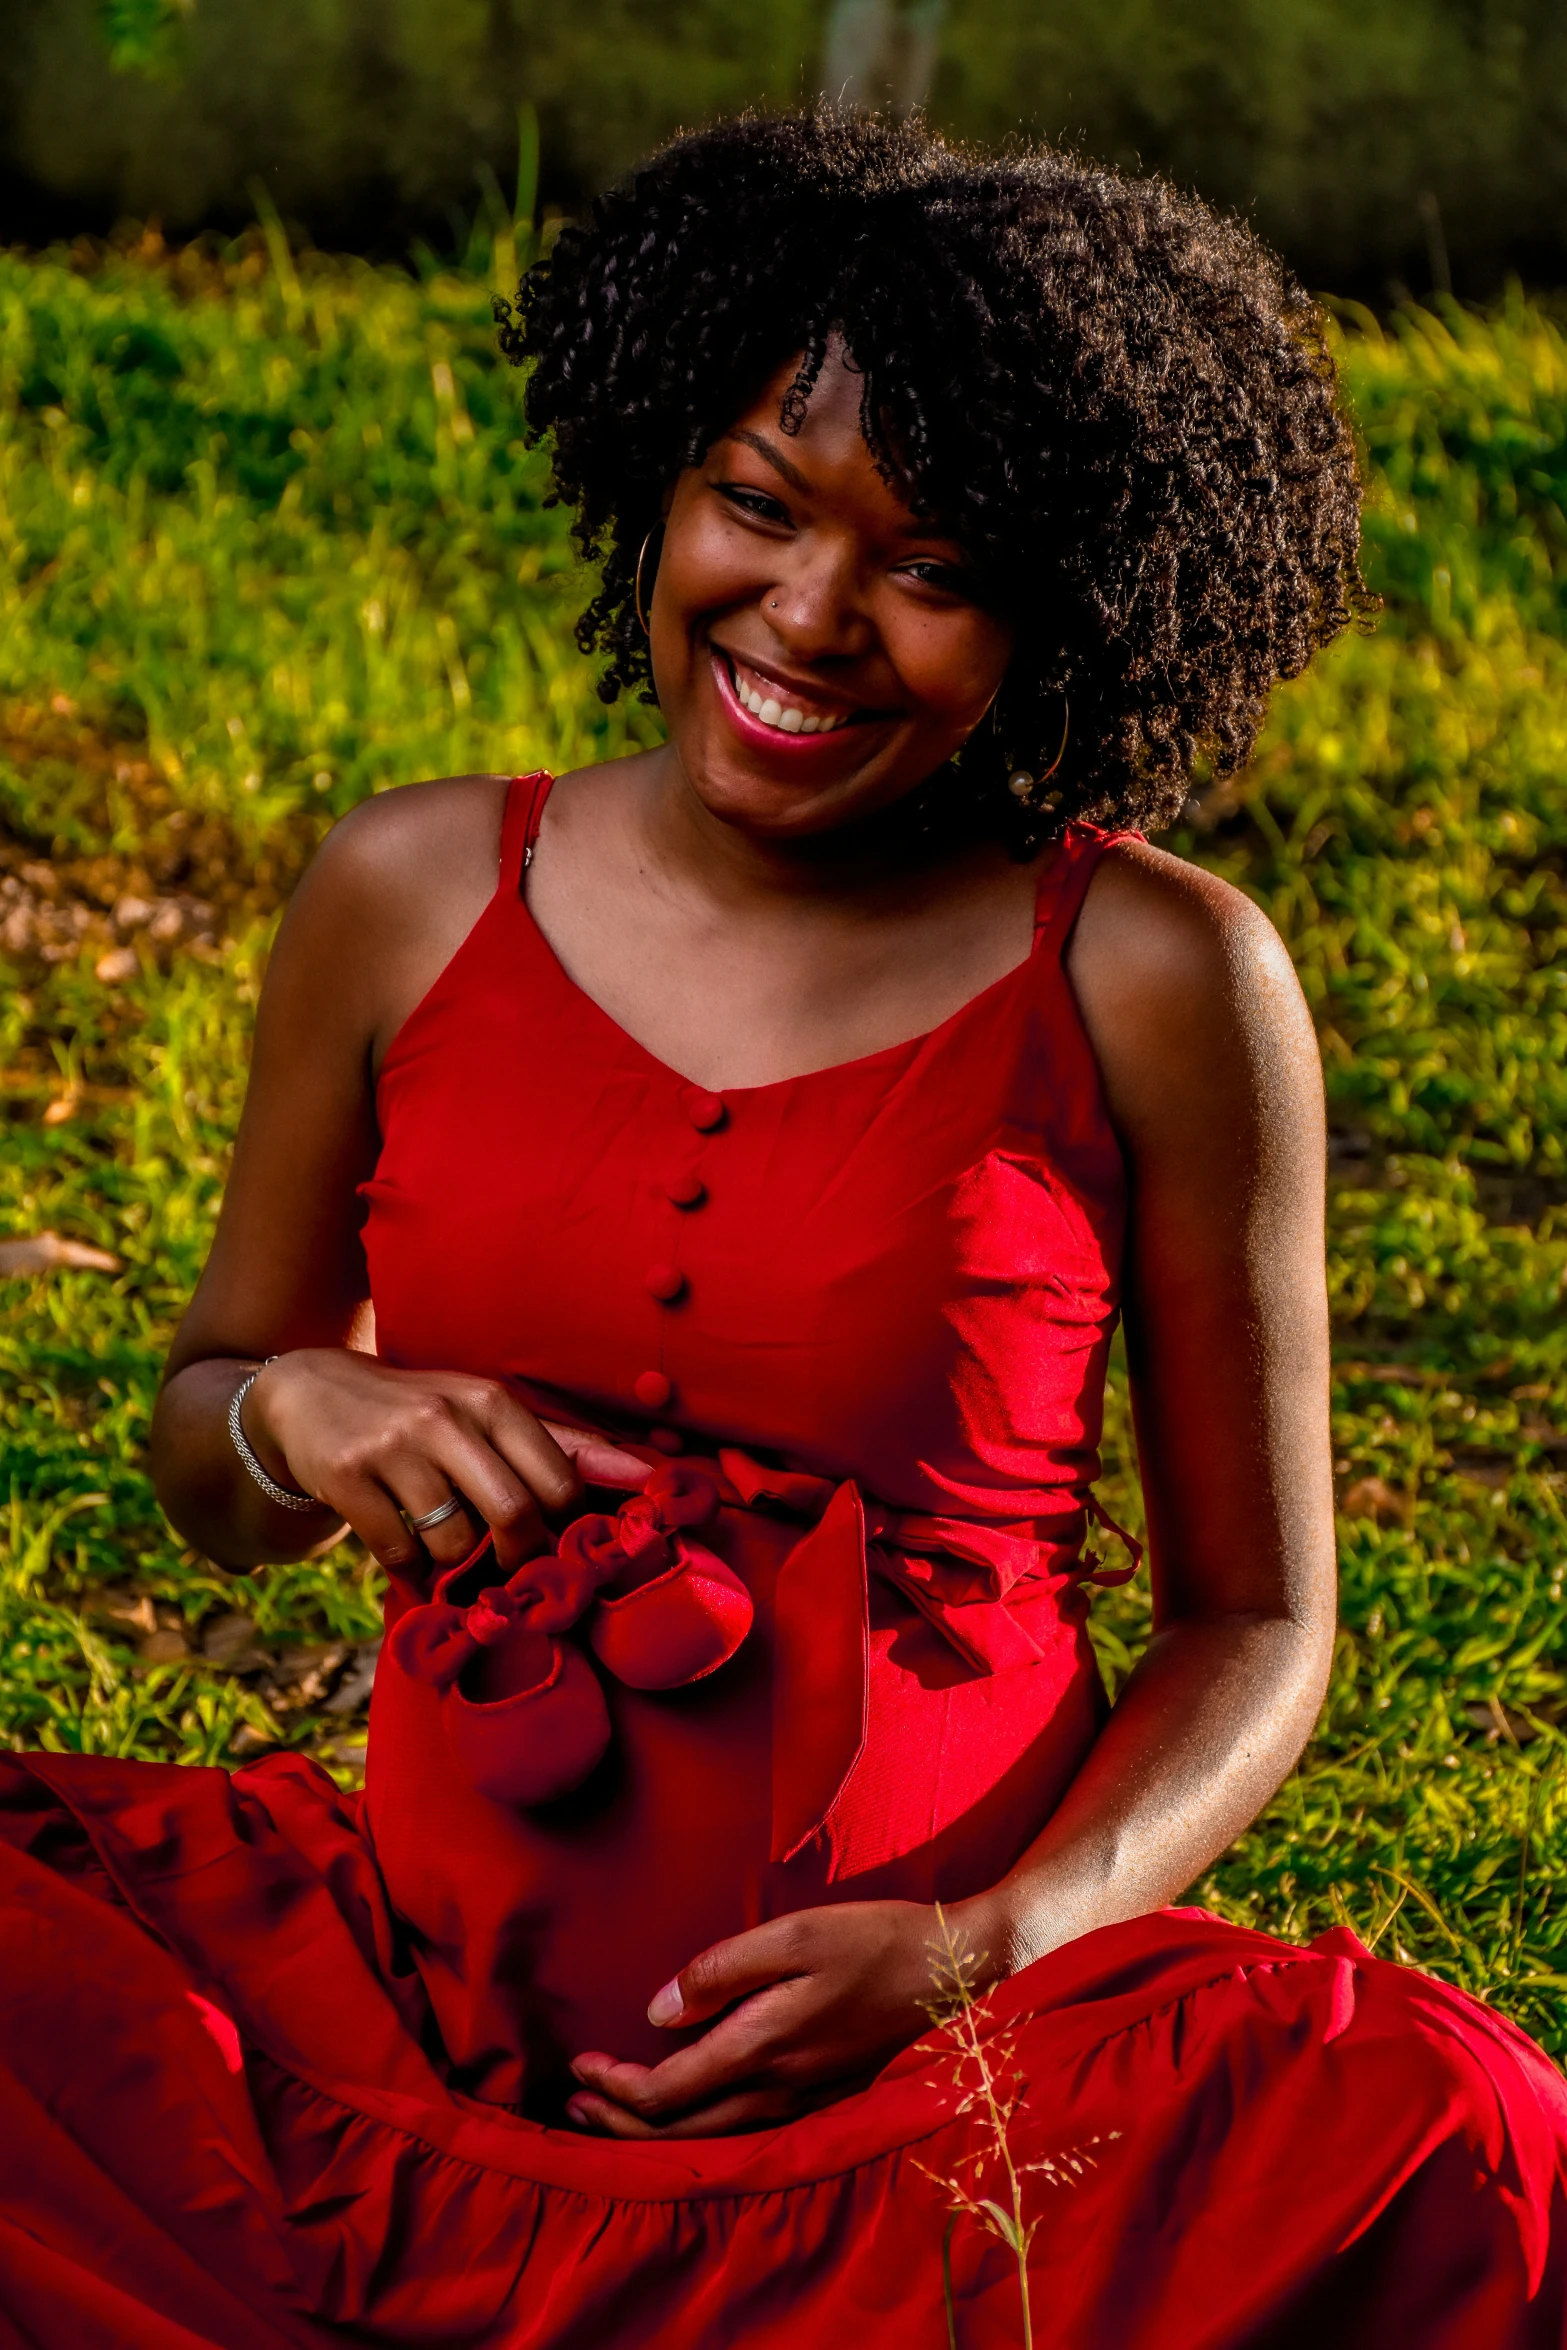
(269, 1485)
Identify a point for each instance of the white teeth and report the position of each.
(772, 712)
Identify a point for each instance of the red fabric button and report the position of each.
(665, 1282)
(705, 1110)
(687, 1191)
(653, 1389)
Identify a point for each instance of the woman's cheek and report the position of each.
(707, 567)
(951, 665)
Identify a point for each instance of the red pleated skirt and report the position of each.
(224, 2122)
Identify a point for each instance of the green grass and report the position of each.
(267, 541)
(270, 541)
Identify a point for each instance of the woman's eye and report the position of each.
(951, 578)
(750, 501)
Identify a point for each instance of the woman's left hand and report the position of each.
(809, 2007)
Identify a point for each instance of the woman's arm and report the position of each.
(1211, 1072)
(388, 901)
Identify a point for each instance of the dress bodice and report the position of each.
(871, 1306)
(903, 1269)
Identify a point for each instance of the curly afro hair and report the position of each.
(1118, 401)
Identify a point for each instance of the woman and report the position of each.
(769, 1129)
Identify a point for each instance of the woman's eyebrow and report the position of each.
(917, 526)
(774, 457)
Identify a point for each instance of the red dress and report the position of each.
(279, 2066)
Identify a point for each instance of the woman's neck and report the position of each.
(870, 868)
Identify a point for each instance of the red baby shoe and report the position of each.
(669, 1610)
(535, 1742)
(524, 1713)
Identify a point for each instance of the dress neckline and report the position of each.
(514, 875)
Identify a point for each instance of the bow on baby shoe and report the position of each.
(669, 1610)
(525, 1714)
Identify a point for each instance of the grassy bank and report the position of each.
(269, 540)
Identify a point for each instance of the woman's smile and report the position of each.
(781, 718)
(783, 702)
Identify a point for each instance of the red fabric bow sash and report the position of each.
(959, 1573)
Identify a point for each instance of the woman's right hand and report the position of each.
(371, 1443)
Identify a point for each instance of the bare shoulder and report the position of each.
(418, 838)
(1187, 991)
(1151, 920)
(389, 897)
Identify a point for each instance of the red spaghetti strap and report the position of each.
(1064, 885)
(525, 798)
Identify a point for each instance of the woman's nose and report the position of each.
(816, 606)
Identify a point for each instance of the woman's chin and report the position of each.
(789, 801)
(771, 811)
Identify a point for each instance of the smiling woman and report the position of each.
(763, 556)
(1112, 410)
(679, 1222)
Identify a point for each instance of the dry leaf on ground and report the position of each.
(164, 1647)
(249, 1740)
(352, 1694)
(231, 1641)
(1371, 1497)
(41, 1252)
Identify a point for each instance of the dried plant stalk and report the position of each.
(989, 2085)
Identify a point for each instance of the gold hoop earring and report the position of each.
(636, 585)
(1066, 728)
(1023, 784)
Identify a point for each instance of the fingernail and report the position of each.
(666, 2006)
(576, 2111)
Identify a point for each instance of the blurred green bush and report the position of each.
(1371, 140)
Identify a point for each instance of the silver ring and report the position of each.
(437, 1517)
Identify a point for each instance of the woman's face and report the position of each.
(817, 650)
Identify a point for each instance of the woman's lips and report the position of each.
(764, 736)
(792, 709)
